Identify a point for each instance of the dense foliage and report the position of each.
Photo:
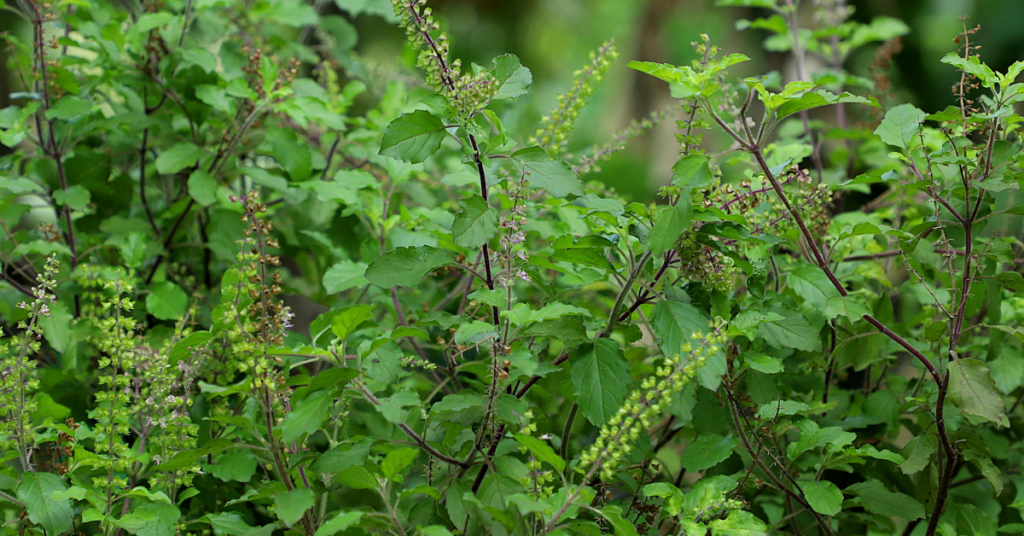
(816, 331)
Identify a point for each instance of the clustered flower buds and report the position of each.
(648, 402)
(468, 94)
(17, 370)
(553, 136)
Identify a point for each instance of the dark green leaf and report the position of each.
(413, 137)
(599, 376)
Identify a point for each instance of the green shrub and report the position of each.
(503, 348)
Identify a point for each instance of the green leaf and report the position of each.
(152, 519)
(178, 157)
(405, 267)
(670, 224)
(68, 108)
(413, 137)
(237, 465)
(851, 306)
(75, 197)
(707, 451)
(673, 321)
(599, 376)
(622, 525)
(551, 174)
(793, 331)
(348, 319)
(167, 301)
(54, 516)
(815, 99)
(513, 79)
(823, 496)
(306, 417)
(972, 65)
(215, 97)
(357, 477)
(972, 390)
(339, 523)
(878, 500)
(476, 225)
(186, 458)
(692, 172)
(738, 523)
(397, 460)
(542, 451)
(291, 505)
(345, 275)
(764, 364)
(900, 126)
(228, 523)
(202, 187)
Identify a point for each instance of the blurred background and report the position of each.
(554, 37)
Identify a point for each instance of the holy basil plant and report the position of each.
(256, 283)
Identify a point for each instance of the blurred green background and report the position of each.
(553, 38)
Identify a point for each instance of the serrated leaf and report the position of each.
(551, 174)
(793, 331)
(306, 417)
(972, 390)
(878, 500)
(707, 451)
(344, 275)
(178, 157)
(900, 125)
(670, 224)
(739, 523)
(348, 319)
(413, 137)
(54, 516)
(850, 306)
(290, 506)
(599, 376)
(397, 460)
(237, 465)
(764, 363)
(405, 267)
(166, 301)
(513, 79)
(202, 187)
(339, 523)
(476, 225)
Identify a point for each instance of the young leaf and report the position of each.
(413, 137)
(551, 174)
(513, 79)
(599, 376)
(476, 224)
(739, 523)
(972, 389)
(405, 267)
